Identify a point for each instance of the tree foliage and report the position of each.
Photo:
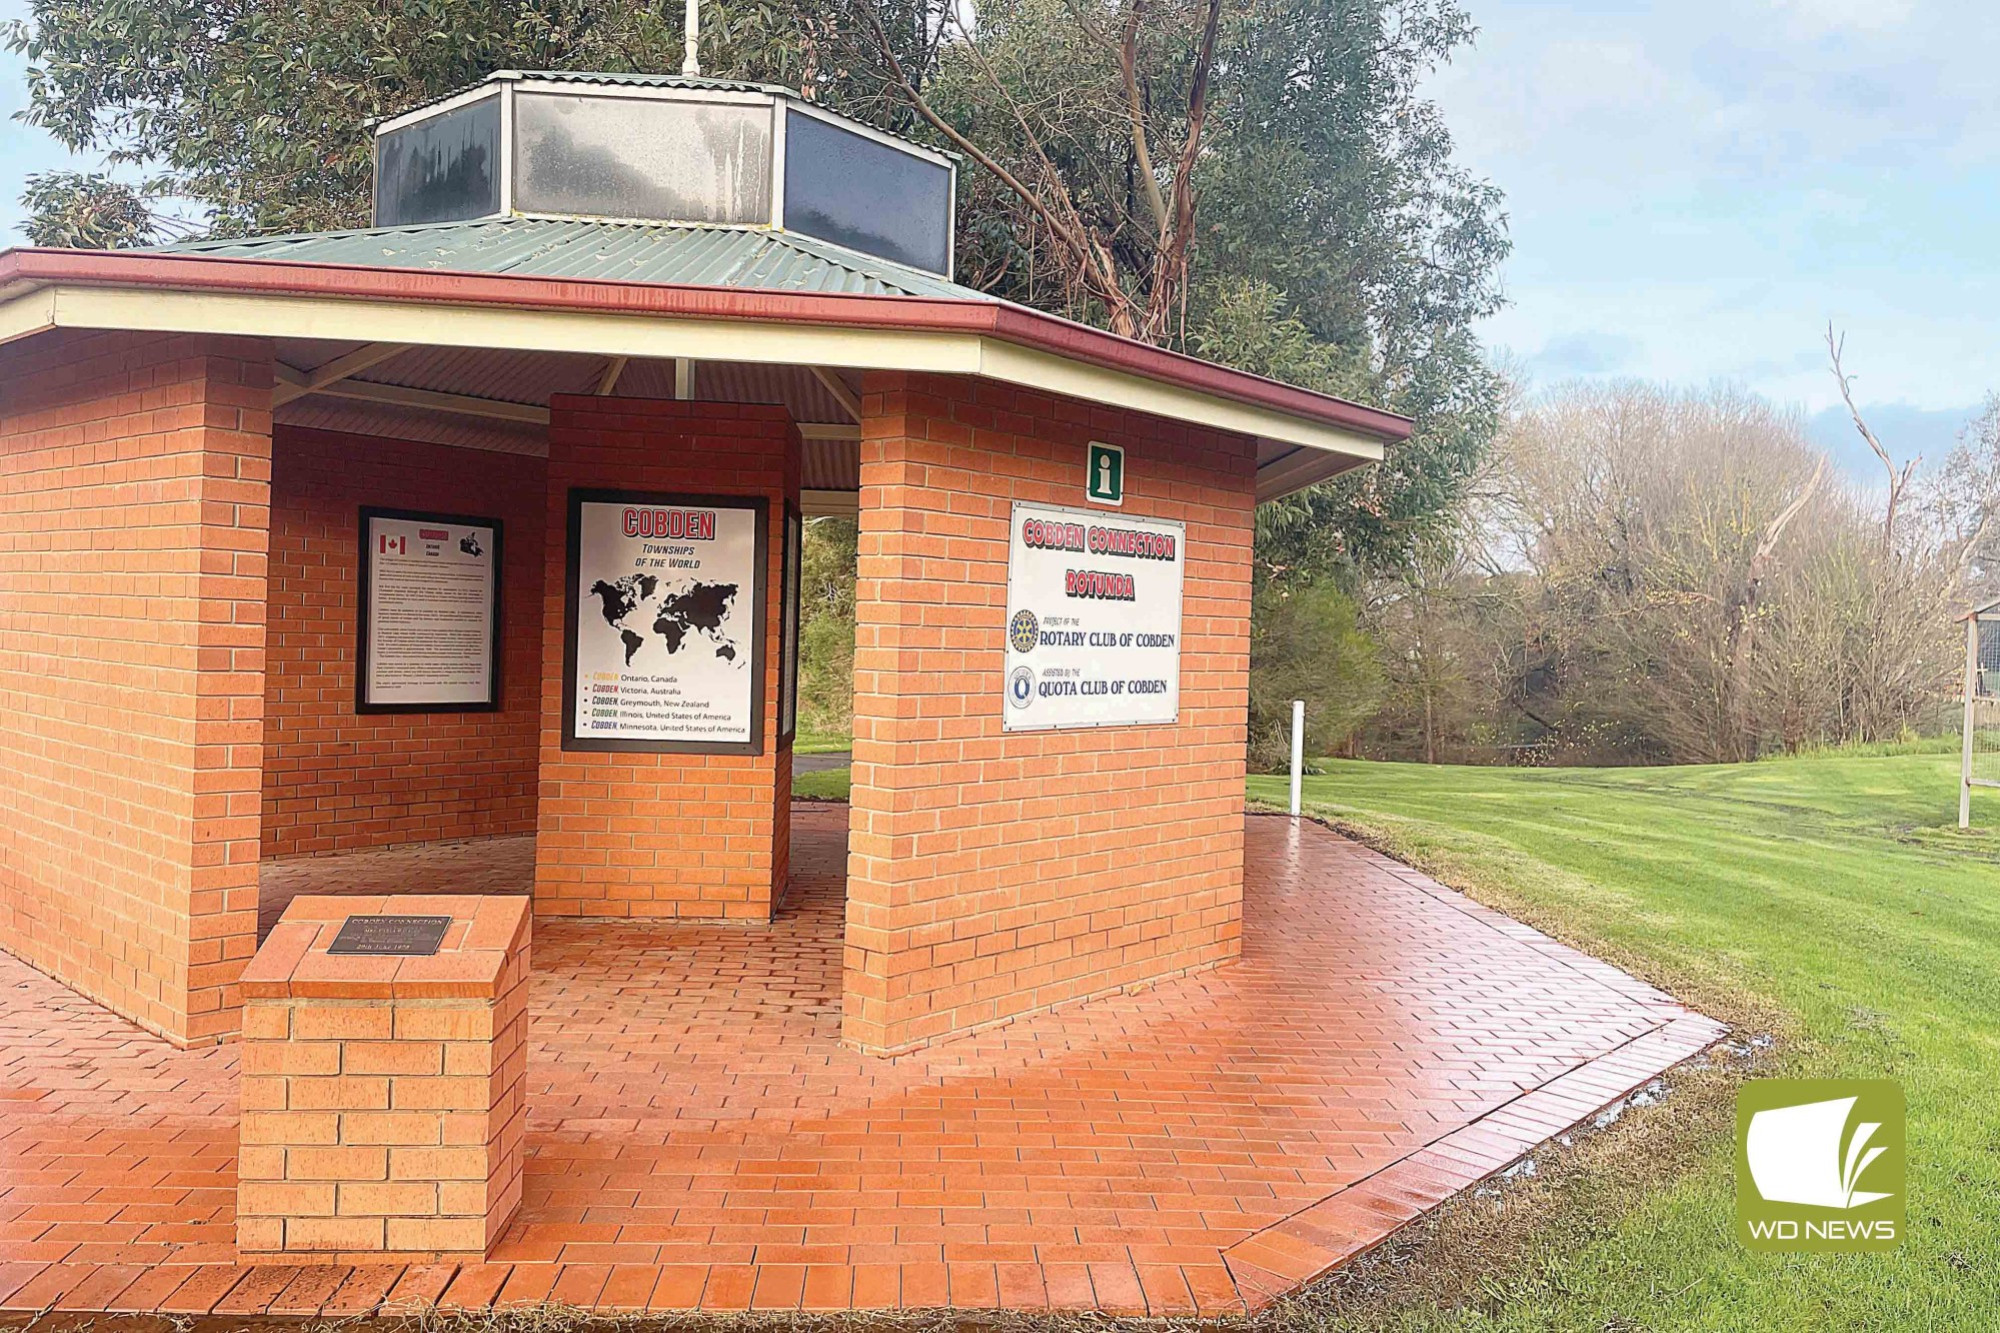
(85, 211)
(826, 625)
(1680, 579)
(1304, 644)
(1334, 242)
(258, 110)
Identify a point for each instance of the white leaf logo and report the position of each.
(1795, 1155)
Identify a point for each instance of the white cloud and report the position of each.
(1710, 181)
(1829, 16)
(1587, 353)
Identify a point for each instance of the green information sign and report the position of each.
(1105, 483)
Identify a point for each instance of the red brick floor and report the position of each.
(489, 865)
(699, 1138)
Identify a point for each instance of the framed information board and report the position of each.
(1094, 619)
(664, 623)
(428, 632)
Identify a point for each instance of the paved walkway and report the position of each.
(821, 763)
(699, 1138)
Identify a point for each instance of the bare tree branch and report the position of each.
(1094, 263)
(1170, 266)
(1898, 480)
(1135, 110)
(1768, 543)
(1070, 233)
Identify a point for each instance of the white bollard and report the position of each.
(1298, 750)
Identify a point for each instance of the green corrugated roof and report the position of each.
(614, 251)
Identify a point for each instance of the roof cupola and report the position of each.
(665, 149)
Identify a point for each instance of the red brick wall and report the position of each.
(134, 493)
(991, 874)
(669, 835)
(335, 779)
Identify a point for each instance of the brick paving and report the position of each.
(490, 865)
(698, 1138)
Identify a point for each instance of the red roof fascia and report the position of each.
(1011, 323)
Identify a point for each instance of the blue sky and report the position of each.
(23, 150)
(1695, 189)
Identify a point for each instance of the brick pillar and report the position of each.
(991, 875)
(665, 835)
(134, 510)
(384, 1098)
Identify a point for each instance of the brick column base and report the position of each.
(383, 1098)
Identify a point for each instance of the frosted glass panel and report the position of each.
(867, 195)
(444, 169)
(625, 157)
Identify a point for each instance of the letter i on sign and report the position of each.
(1105, 478)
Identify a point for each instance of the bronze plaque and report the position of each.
(390, 936)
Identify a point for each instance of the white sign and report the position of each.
(1094, 619)
(429, 612)
(666, 631)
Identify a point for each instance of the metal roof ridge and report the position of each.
(855, 261)
(343, 233)
(661, 80)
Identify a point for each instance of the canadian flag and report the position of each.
(399, 545)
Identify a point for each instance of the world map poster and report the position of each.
(665, 633)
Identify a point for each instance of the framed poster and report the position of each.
(1094, 619)
(664, 623)
(428, 633)
(788, 661)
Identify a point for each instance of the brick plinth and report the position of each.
(134, 508)
(664, 835)
(382, 1098)
(993, 874)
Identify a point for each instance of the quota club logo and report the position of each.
(1819, 1164)
(1024, 631)
(1021, 687)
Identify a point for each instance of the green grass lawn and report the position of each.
(1827, 898)
(821, 742)
(830, 784)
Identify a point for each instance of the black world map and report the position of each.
(677, 617)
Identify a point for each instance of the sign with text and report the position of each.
(664, 623)
(429, 631)
(1094, 619)
(390, 936)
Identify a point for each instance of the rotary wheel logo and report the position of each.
(1021, 687)
(1024, 631)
